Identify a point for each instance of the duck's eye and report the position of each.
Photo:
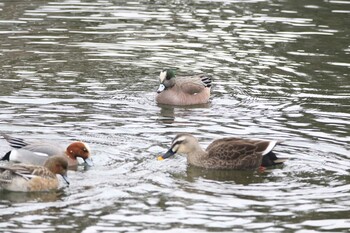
(178, 142)
(85, 150)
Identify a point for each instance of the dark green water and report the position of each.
(89, 70)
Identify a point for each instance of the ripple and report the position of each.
(89, 71)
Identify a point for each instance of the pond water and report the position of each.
(88, 70)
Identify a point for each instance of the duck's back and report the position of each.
(48, 148)
(193, 84)
(186, 90)
(234, 153)
(27, 178)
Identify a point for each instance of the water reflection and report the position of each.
(238, 177)
(167, 114)
(20, 197)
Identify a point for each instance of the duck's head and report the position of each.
(165, 78)
(183, 144)
(80, 149)
(58, 165)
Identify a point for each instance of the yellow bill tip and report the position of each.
(160, 158)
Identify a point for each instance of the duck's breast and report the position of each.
(175, 96)
(43, 184)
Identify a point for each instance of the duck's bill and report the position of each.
(161, 88)
(65, 179)
(169, 153)
(89, 162)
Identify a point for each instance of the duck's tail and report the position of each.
(206, 81)
(6, 157)
(270, 159)
(14, 142)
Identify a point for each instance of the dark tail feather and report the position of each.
(270, 159)
(6, 156)
(206, 81)
(14, 142)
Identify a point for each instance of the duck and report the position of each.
(35, 152)
(33, 178)
(183, 90)
(226, 153)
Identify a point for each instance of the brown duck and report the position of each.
(225, 153)
(32, 178)
(183, 90)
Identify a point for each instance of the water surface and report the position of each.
(88, 70)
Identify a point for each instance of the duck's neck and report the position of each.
(197, 156)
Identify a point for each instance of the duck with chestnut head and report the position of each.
(36, 152)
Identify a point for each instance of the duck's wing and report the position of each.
(230, 149)
(221, 141)
(239, 153)
(27, 156)
(193, 84)
(23, 170)
(262, 147)
(38, 146)
(47, 148)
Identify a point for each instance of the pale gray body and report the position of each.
(37, 151)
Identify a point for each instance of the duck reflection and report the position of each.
(21, 197)
(167, 112)
(244, 177)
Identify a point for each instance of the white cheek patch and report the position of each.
(162, 76)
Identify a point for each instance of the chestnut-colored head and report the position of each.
(79, 149)
(58, 165)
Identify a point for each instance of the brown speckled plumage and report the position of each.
(31, 178)
(226, 153)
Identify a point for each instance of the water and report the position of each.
(88, 70)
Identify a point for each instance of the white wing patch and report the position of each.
(269, 148)
(41, 154)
